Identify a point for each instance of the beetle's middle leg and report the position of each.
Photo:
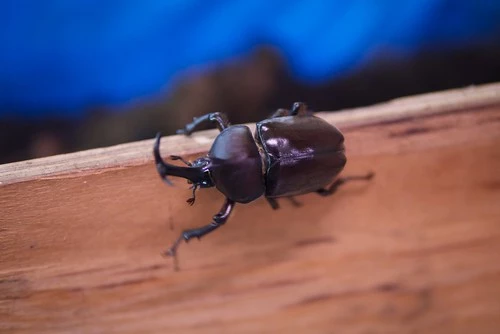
(218, 220)
(220, 119)
(275, 205)
(335, 185)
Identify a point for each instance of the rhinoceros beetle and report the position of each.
(292, 153)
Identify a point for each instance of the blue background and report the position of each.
(61, 57)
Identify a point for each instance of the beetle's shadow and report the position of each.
(256, 232)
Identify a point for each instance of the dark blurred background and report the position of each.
(81, 74)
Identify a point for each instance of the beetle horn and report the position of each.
(194, 174)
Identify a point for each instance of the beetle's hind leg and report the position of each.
(220, 120)
(340, 181)
(218, 220)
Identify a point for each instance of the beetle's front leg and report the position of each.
(219, 219)
(220, 119)
(176, 157)
(335, 185)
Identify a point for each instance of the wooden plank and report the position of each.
(139, 153)
(414, 251)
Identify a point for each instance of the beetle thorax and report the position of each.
(236, 165)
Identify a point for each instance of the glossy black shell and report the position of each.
(303, 154)
(236, 165)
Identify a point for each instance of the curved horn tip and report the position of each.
(160, 164)
(157, 139)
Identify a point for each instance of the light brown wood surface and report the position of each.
(416, 250)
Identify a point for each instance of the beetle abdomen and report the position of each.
(236, 165)
(304, 154)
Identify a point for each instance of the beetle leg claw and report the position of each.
(172, 252)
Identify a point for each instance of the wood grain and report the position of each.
(139, 153)
(417, 250)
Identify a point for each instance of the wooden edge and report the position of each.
(138, 153)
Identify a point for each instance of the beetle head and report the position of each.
(197, 174)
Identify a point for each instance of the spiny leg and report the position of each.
(220, 119)
(335, 185)
(219, 219)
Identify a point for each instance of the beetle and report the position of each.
(292, 153)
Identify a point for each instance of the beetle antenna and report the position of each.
(194, 174)
(176, 157)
